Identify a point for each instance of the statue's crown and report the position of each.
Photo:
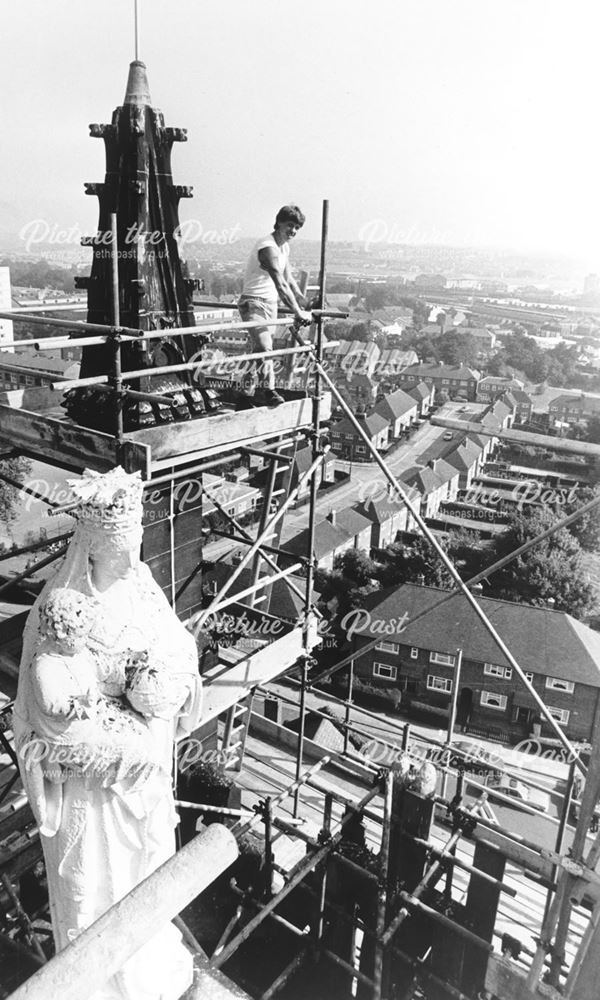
(110, 501)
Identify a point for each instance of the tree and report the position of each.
(376, 297)
(586, 529)
(457, 349)
(552, 569)
(10, 497)
(593, 430)
(351, 580)
(415, 562)
(497, 365)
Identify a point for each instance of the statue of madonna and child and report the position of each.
(108, 682)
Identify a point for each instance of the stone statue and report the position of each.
(108, 681)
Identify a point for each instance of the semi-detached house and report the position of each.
(559, 655)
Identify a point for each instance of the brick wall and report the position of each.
(412, 673)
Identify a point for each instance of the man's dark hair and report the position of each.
(290, 213)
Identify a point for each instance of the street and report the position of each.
(366, 482)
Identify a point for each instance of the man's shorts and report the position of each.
(251, 308)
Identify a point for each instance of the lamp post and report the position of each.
(452, 712)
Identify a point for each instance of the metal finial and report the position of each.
(136, 28)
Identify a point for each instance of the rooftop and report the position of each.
(542, 641)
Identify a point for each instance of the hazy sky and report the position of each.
(458, 121)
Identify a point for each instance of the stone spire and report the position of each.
(137, 90)
(155, 291)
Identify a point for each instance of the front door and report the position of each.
(464, 706)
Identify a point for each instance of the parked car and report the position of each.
(448, 435)
(515, 789)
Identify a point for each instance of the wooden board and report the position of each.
(68, 445)
(226, 430)
(504, 980)
(226, 684)
(517, 854)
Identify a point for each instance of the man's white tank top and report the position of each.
(257, 281)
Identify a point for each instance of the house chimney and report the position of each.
(331, 517)
(432, 463)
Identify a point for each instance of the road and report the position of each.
(366, 481)
(388, 728)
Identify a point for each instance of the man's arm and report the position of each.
(298, 293)
(269, 259)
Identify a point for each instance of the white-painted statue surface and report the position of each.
(108, 681)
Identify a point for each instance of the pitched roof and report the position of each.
(352, 520)
(361, 379)
(520, 396)
(384, 509)
(441, 371)
(422, 390)
(375, 422)
(328, 537)
(430, 477)
(542, 641)
(479, 331)
(589, 404)
(394, 359)
(302, 460)
(501, 382)
(392, 314)
(395, 404)
(37, 362)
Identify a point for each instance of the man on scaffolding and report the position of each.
(268, 276)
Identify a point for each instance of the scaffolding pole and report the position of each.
(430, 877)
(199, 619)
(297, 876)
(267, 581)
(103, 331)
(449, 565)
(246, 539)
(382, 885)
(34, 569)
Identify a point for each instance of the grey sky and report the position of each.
(460, 121)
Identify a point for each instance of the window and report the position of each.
(29, 380)
(492, 700)
(414, 653)
(387, 647)
(360, 447)
(385, 670)
(439, 684)
(529, 676)
(493, 670)
(560, 715)
(557, 684)
(443, 658)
